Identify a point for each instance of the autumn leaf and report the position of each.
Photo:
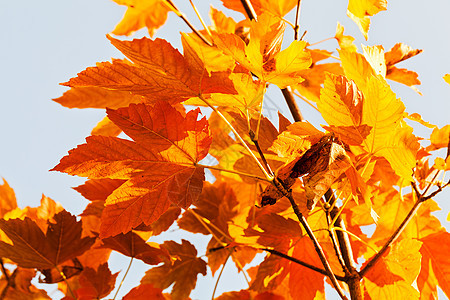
(435, 259)
(96, 97)
(278, 8)
(160, 170)
(360, 10)
(303, 282)
(96, 284)
(132, 245)
(447, 78)
(182, 270)
(31, 248)
(145, 292)
(159, 72)
(7, 198)
(393, 275)
(341, 105)
(151, 14)
(262, 55)
(249, 295)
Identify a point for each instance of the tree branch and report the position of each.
(10, 283)
(292, 104)
(310, 233)
(306, 265)
(297, 20)
(249, 10)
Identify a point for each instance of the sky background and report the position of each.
(47, 42)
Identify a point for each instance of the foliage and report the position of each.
(297, 195)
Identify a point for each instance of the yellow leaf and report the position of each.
(447, 78)
(141, 13)
(222, 23)
(356, 67)
(360, 10)
(375, 57)
(345, 41)
(400, 151)
(382, 111)
(106, 127)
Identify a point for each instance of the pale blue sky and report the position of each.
(47, 42)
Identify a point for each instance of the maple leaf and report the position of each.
(221, 23)
(279, 8)
(145, 292)
(96, 97)
(341, 105)
(262, 55)
(249, 295)
(7, 198)
(447, 78)
(181, 270)
(360, 10)
(216, 205)
(435, 262)
(132, 245)
(160, 169)
(32, 248)
(159, 72)
(96, 284)
(393, 275)
(149, 13)
(303, 282)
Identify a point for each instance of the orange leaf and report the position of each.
(106, 128)
(145, 292)
(393, 275)
(151, 14)
(435, 260)
(182, 270)
(159, 165)
(96, 97)
(303, 282)
(33, 249)
(249, 295)
(7, 198)
(96, 284)
(133, 245)
(278, 8)
(20, 286)
(159, 72)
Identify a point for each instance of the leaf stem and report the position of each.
(233, 171)
(306, 265)
(173, 8)
(123, 279)
(200, 18)
(220, 275)
(238, 136)
(67, 283)
(319, 42)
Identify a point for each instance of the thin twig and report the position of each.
(292, 104)
(306, 265)
(297, 20)
(332, 235)
(173, 8)
(249, 10)
(200, 18)
(123, 279)
(261, 154)
(220, 275)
